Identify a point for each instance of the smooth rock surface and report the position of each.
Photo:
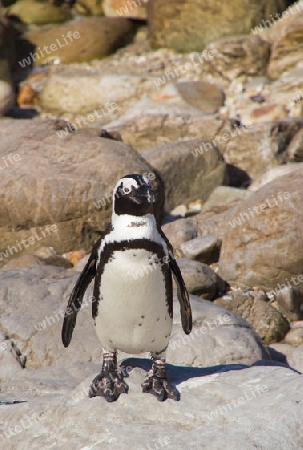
(218, 404)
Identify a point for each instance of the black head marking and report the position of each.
(133, 195)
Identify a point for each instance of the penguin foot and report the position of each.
(110, 382)
(156, 383)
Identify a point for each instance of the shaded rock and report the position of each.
(186, 177)
(179, 232)
(261, 147)
(275, 173)
(205, 249)
(200, 279)
(287, 48)
(125, 8)
(91, 38)
(202, 95)
(289, 301)
(237, 56)
(224, 194)
(281, 351)
(147, 124)
(7, 94)
(295, 148)
(66, 201)
(191, 25)
(295, 359)
(264, 398)
(294, 336)
(262, 245)
(68, 93)
(39, 13)
(269, 323)
(10, 362)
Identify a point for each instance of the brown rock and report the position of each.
(75, 257)
(287, 48)
(64, 200)
(266, 320)
(149, 124)
(262, 244)
(126, 8)
(278, 171)
(266, 113)
(205, 249)
(40, 13)
(180, 231)
(200, 279)
(294, 337)
(26, 95)
(237, 56)
(192, 24)
(288, 89)
(187, 177)
(90, 38)
(260, 147)
(202, 95)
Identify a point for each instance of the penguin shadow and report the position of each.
(178, 374)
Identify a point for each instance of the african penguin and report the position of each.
(132, 264)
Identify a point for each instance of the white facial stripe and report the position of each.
(127, 183)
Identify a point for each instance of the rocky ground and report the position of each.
(213, 116)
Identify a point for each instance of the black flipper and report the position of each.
(76, 297)
(182, 294)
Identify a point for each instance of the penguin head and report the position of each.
(134, 195)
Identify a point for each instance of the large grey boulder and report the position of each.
(34, 321)
(56, 191)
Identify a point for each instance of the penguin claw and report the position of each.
(108, 386)
(160, 388)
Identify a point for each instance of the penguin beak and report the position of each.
(142, 194)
